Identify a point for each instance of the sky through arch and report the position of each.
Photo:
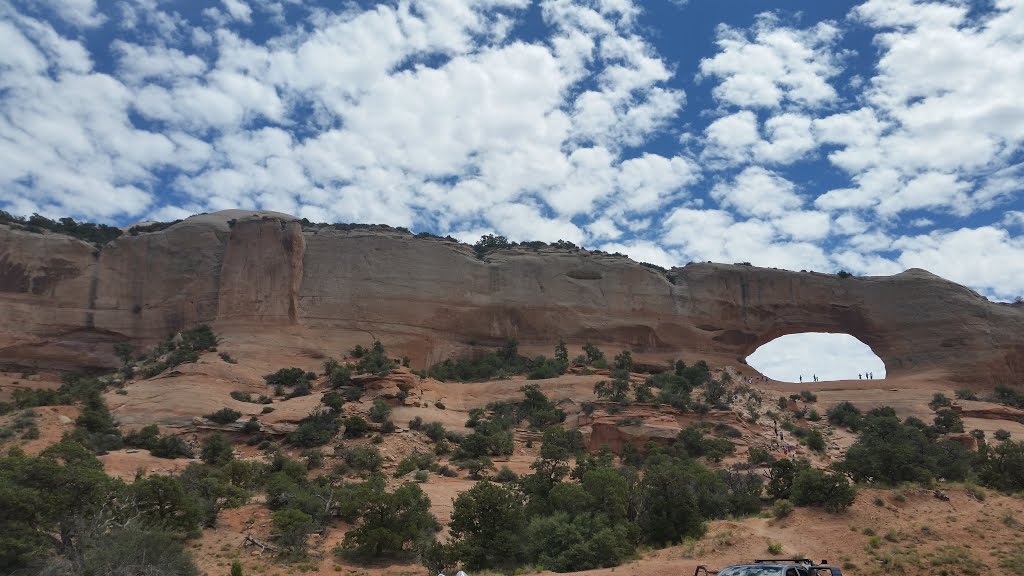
(828, 356)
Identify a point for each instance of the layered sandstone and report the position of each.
(65, 302)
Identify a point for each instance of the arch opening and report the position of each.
(826, 356)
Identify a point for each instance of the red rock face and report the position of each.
(64, 302)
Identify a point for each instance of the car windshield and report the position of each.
(751, 571)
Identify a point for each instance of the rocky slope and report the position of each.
(66, 302)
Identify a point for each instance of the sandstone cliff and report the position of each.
(65, 302)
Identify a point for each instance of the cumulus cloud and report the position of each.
(771, 64)
(442, 116)
(758, 192)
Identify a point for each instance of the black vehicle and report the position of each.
(775, 567)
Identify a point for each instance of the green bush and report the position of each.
(947, 421)
(815, 441)
(366, 458)
(291, 528)
(356, 427)
(286, 377)
(846, 415)
(380, 411)
(224, 416)
(505, 474)
(939, 400)
(435, 431)
(316, 429)
(966, 394)
(782, 508)
(216, 450)
(831, 491)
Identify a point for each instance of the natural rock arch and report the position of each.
(244, 269)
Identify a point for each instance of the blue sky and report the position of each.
(868, 136)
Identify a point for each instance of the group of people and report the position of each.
(815, 376)
(866, 376)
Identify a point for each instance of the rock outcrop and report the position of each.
(65, 302)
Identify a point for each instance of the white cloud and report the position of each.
(648, 182)
(928, 190)
(804, 225)
(758, 192)
(948, 88)
(644, 251)
(986, 257)
(730, 138)
(714, 235)
(81, 13)
(238, 10)
(774, 65)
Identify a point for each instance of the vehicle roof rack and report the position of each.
(784, 560)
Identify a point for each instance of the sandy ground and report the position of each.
(910, 527)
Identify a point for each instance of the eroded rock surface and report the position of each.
(65, 302)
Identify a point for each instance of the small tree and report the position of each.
(832, 491)
(291, 527)
(947, 420)
(216, 450)
(594, 355)
(380, 411)
(236, 568)
(562, 352)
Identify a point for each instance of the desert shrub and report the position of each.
(504, 361)
(333, 400)
(217, 450)
(696, 444)
(947, 421)
(808, 396)
(966, 394)
(815, 441)
(375, 361)
(365, 458)
(417, 424)
(356, 427)
(435, 431)
(291, 527)
(782, 508)
(1004, 468)
(316, 429)
(1001, 435)
(759, 455)
(846, 415)
(224, 416)
(389, 523)
(542, 368)
(831, 491)
(1006, 395)
(505, 474)
(286, 377)
(300, 389)
(939, 400)
(380, 411)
